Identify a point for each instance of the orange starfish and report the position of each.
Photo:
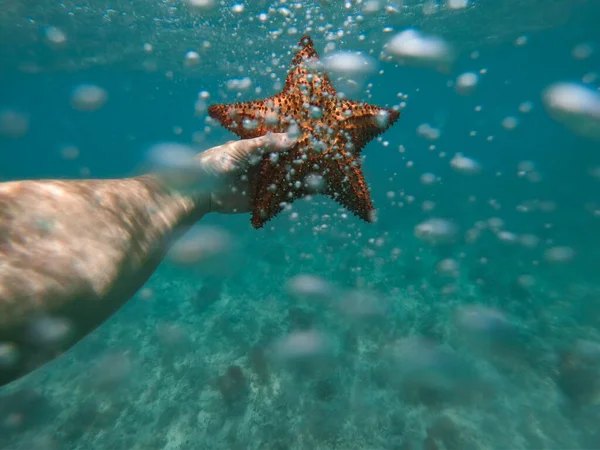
(331, 134)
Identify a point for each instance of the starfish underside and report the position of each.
(331, 134)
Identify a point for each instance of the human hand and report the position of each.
(230, 164)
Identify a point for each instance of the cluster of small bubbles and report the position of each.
(191, 59)
(583, 50)
(55, 37)
(464, 165)
(428, 132)
(436, 231)
(88, 97)
(576, 106)
(559, 254)
(13, 124)
(510, 123)
(239, 85)
(466, 83)
(413, 47)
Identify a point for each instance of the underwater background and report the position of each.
(466, 317)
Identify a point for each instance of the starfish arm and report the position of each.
(278, 182)
(365, 122)
(304, 71)
(346, 185)
(250, 119)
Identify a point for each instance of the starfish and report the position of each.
(331, 132)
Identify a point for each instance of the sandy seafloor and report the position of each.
(342, 334)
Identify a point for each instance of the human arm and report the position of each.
(72, 252)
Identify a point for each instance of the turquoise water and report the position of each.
(486, 338)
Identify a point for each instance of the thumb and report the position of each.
(248, 152)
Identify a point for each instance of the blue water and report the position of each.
(403, 372)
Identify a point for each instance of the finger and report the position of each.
(272, 142)
(276, 142)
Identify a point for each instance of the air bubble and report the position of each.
(315, 183)
(191, 59)
(457, 4)
(239, 85)
(427, 179)
(88, 97)
(436, 231)
(202, 5)
(464, 165)
(466, 83)
(55, 37)
(13, 124)
(576, 106)
(559, 254)
(412, 46)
